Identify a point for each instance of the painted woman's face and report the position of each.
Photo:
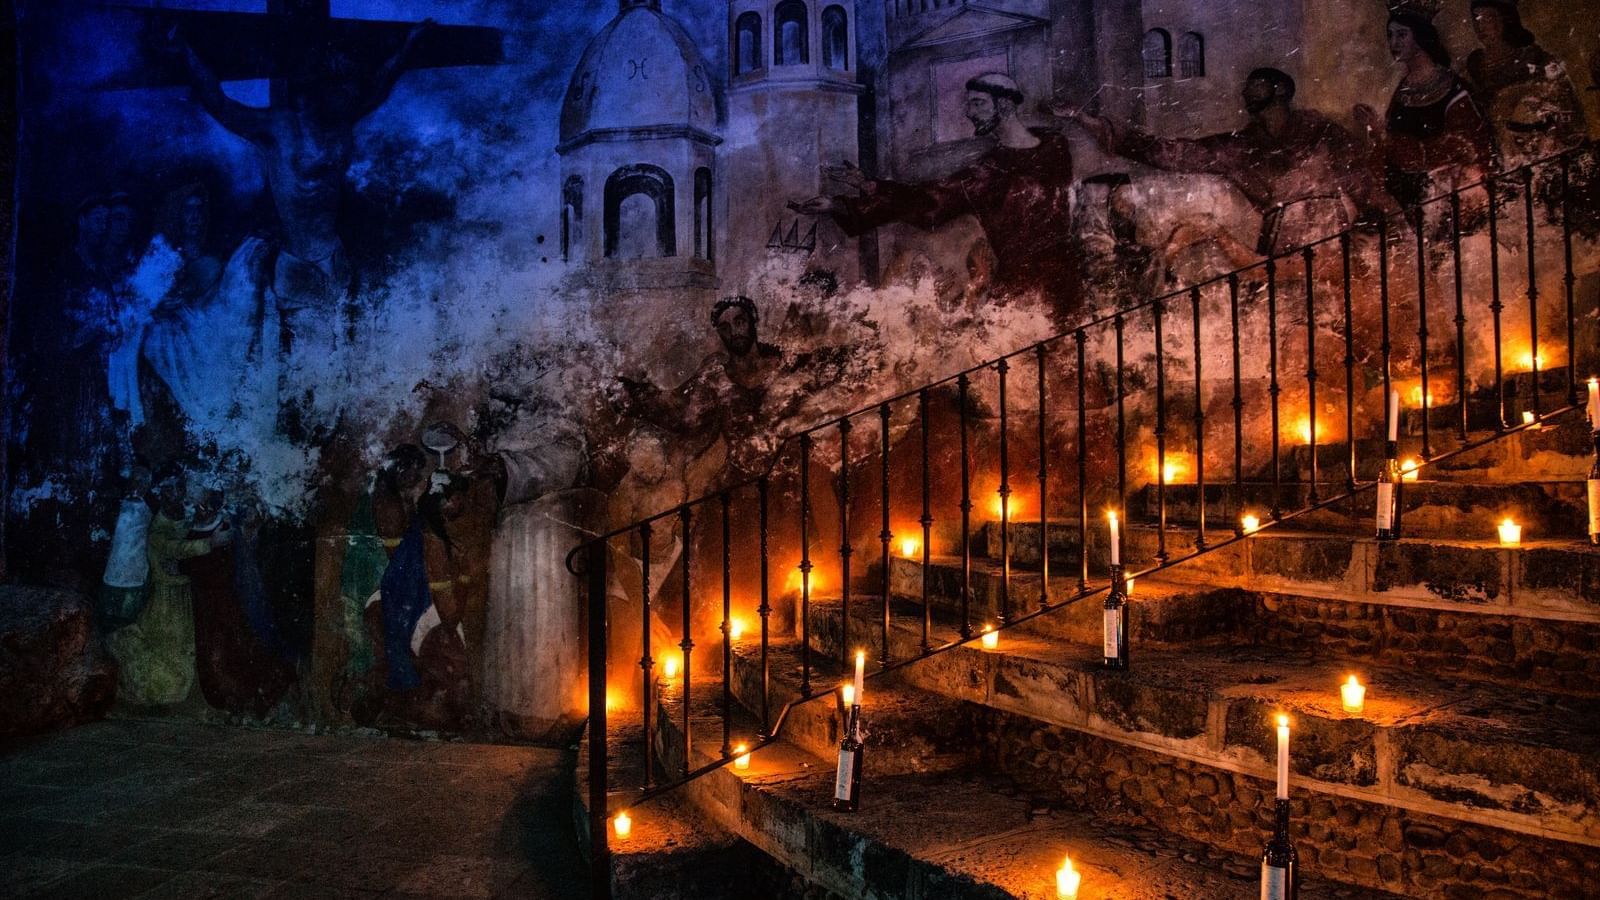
(1402, 43)
(1489, 24)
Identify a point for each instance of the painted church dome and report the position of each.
(641, 71)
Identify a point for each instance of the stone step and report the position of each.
(1557, 579)
(1511, 770)
(901, 739)
(1429, 508)
(956, 835)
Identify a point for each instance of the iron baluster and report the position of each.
(727, 628)
(1570, 279)
(1533, 291)
(646, 662)
(963, 385)
(1349, 375)
(1496, 306)
(1044, 489)
(1309, 256)
(1422, 333)
(1005, 500)
(927, 517)
(764, 610)
(687, 644)
(1158, 311)
(844, 541)
(885, 536)
(1079, 338)
(1238, 411)
(1461, 312)
(1199, 427)
(599, 788)
(1273, 388)
(805, 565)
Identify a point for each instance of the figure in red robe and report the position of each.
(1020, 192)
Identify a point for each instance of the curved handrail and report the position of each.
(1487, 182)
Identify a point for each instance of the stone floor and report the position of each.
(154, 809)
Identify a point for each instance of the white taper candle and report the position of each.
(1116, 549)
(1594, 403)
(1283, 757)
(1394, 415)
(861, 664)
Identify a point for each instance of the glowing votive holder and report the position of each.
(1068, 881)
(741, 759)
(909, 547)
(669, 668)
(1250, 523)
(991, 638)
(1354, 695)
(1510, 533)
(849, 695)
(1409, 470)
(623, 823)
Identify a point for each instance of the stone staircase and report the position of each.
(1473, 771)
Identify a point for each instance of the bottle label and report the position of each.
(1274, 883)
(1113, 635)
(841, 782)
(1385, 506)
(1594, 506)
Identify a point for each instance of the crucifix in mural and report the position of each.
(327, 74)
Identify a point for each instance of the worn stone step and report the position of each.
(1510, 767)
(913, 732)
(1170, 611)
(1558, 579)
(1429, 508)
(1541, 752)
(957, 835)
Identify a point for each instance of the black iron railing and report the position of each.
(1330, 264)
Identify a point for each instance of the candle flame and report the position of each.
(849, 694)
(1111, 514)
(1283, 721)
(669, 667)
(735, 629)
(1250, 523)
(861, 657)
(1353, 682)
(741, 756)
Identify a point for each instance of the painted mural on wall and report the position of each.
(340, 324)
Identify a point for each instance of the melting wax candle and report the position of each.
(1283, 757)
(623, 823)
(1409, 470)
(1510, 533)
(1116, 542)
(909, 547)
(991, 638)
(741, 758)
(1068, 880)
(1250, 523)
(1354, 694)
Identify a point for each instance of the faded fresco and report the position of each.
(338, 324)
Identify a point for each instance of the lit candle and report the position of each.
(991, 638)
(1408, 470)
(1067, 881)
(1594, 403)
(1250, 523)
(1116, 549)
(1531, 361)
(1528, 418)
(1304, 427)
(1173, 471)
(669, 668)
(1354, 694)
(849, 691)
(1394, 415)
(1283, 757)
(1510, 533)
(735, 629)
(909, 547)
(861, 672)
(623, 823)
(741, 759)
(1000, 506)
(1128, 587)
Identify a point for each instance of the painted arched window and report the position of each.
(639, 213)
(1157, 53)
(835, 38)
(704, 236)
(747, 43)
(571, 217)
(1192, 55)
(791, 38)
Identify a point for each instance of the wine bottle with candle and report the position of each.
(847, 780)
(1116, 621)
(1279, 862)
(1390, 479)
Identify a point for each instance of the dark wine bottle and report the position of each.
(1389, 482)
(847, 780)
(1116, 622)
(1594, 491)
(1279, 862)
